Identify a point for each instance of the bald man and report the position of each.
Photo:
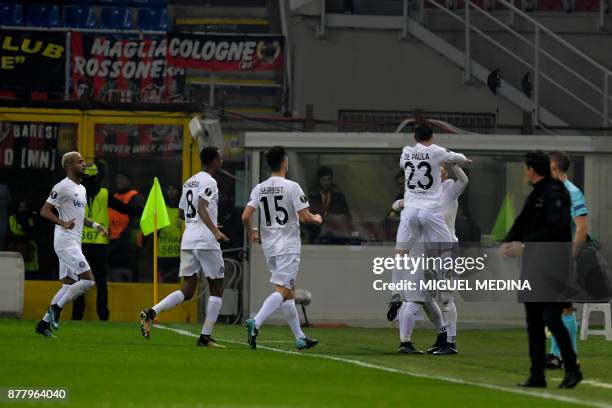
(68, 198)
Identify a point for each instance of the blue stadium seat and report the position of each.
(116, 18)
(43, 15)
(152, 19)
(79, 17)
(149, 3)
(11, 15)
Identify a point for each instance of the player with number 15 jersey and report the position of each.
(282, 205)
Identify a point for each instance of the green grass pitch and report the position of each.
(111, 365)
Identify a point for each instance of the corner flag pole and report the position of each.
(155, 252)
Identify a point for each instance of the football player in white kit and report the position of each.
(282, 206)
(422, 219)
(447, 315)
(200, 249)
(68, 198)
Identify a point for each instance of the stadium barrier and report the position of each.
(11, 284)
(125, 301)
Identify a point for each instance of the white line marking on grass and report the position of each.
(531, 393)
(594, 383)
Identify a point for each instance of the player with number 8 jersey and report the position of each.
(201, 255)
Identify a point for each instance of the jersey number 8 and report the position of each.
(191, 210)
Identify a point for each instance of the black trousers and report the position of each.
(540, 314)
(97, 256)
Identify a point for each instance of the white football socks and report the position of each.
(435, 314)
(212, 313)
(407, 319)
(269, 306)
(449, 311)
(75, 290)
(175, 298)
(291, 315)
(60, 293)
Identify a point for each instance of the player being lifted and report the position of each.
(422, 219)
(282, 205)
(445, 319)
(68, 198)
(200, 249)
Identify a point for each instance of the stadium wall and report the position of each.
(125, 301)
(375, 70)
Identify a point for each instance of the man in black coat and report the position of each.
(542, 235)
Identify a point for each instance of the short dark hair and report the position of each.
(539, 162)
(209, 154)
(561, 159)
(324, 171)
(275, 157)
(423, 133)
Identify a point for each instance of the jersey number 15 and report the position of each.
(278, 208)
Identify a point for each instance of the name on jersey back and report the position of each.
(416, 156)
(192, 184)
(271, 190)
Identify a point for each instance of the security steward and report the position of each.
(95, 245)
(542, 234)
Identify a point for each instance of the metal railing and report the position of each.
(597, 83)
(539, 31)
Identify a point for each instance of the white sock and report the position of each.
(435, 314)
(291, 315)
(269, 306)
(60, 293)
(407, 319)
(175, 298)
(449, 311)
(74, 291)
(212, 313)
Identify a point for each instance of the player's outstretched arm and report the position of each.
(455, 158)
(246, 221)
(100, 228)
(205, 217)
(462, 181)
(47, 213)
(307, 217)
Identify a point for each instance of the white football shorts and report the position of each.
(203, 262)
(72, 263)
(284, 269)
(421, 225)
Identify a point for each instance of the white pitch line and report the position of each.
(594, 383)
(531, 393)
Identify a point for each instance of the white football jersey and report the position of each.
(279, 201)
(201, 186)
(451, 190)
(69, 199)
(421, 166)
